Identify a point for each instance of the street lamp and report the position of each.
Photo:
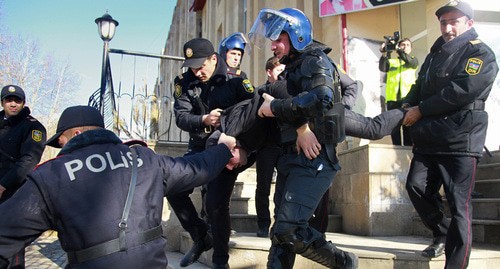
(106, 26)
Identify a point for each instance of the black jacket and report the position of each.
(193, 99)
(22, 140)
(81, 194)
(452, 86)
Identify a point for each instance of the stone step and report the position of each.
(247, 189)
(483, 230)
(397, 252)
(483, 208)
(247, 223)
(487, 171)
(489, 188)
(494, 158)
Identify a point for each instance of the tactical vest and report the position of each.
(399, 80)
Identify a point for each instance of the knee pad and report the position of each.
(295, 240)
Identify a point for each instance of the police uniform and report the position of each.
(235, 72)
(22, 140)
(193, 99)
(82, 195)
(451, 89)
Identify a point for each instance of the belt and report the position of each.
(476, 105)
(112, 246)
(289, 149)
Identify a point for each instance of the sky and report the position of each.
(66, 30)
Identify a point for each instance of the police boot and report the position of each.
(194, 253)
(280, 258)
(325, 253)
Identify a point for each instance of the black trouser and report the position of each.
(267, 159)
(217, 200)
(456, 174)
(374, 128)
(401, 132)
(186, 212)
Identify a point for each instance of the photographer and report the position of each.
(399, 78)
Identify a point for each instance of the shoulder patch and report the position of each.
(475, 41)
(36, 135)
(248, 86)
(180, 76)
(473, 66)
(177, 91)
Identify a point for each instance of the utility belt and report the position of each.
(476, 105)
(114, 245)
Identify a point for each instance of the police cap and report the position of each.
(463, 7)
(196, 51)
(75, 116)
(13, 90)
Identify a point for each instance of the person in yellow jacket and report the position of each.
(399, 78)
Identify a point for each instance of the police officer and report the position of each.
(22, 139)
(400, 76)
(201, 94)
(105, 215)
(232, 50)
(448, 127)
(315, 102)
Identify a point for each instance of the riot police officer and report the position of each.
(316, 103)
(105, 215)
(22, 139)
(232, 50)
(201, 94)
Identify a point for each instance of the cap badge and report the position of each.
(453, 3)
(12, 89)
(189, 52)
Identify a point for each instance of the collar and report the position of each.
(455, 44)
(25, 112)
(92, 137)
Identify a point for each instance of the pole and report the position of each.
(103, 75)
(343, 18)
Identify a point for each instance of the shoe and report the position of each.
(434, 250)
(263, 232)
(350, 261)
(195, 252)
(220, 266)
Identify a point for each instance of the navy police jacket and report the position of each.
(82, 193)
(452, 86)
(194, 98)
(22, 140)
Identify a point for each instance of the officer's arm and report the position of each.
(184, 173)
(473, 81)
(185, 119)
(30, 154)
(410, 61)
(383, 63)
(24, 217)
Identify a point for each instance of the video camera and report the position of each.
(391, 42)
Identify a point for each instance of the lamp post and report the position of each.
(106, 26)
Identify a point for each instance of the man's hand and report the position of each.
(265, 108)
(213, 118)
(228, 140)
(412, 115)
(2, 189)
(307, 142)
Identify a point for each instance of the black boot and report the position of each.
(194, 253)
(330, 256)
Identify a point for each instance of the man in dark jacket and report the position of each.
(201, 94)
(105, 214)
(448, 128)
(22, 139)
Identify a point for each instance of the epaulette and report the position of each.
(238, 72)
(475, 41)
(179, 77)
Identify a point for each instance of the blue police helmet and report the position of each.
(271, 23)
(233, 41)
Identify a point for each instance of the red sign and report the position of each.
(336, 7)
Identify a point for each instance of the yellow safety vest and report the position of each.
(398, 77)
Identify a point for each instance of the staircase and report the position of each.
(382, 251)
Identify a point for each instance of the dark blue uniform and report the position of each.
(193, 99)
(452, 86)
(81, 194)
(22, 140)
